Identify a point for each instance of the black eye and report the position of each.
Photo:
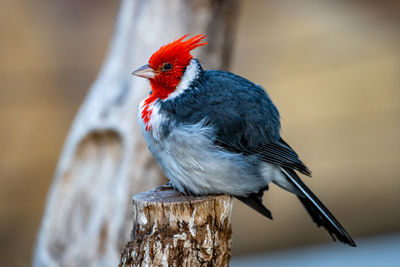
(167, 67)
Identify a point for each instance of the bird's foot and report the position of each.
(164, 187)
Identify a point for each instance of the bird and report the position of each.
(215, 132)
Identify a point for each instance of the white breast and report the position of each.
(156, 118)
(193, 163)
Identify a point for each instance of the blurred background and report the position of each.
(332, 68)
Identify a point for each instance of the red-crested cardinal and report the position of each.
(214, 132)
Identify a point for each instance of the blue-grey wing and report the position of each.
(244, 117)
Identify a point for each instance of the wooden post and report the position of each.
(170, 229)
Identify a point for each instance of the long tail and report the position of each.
(318, 212)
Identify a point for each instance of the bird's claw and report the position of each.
(164, 187)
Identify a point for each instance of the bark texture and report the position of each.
(105, 160)
(170, 229)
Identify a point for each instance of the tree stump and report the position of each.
(170, 229)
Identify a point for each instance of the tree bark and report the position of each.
(105, 160)
(170, 229)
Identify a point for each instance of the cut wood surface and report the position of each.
(105, 159)
(170, 229)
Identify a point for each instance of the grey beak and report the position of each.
(144, 71)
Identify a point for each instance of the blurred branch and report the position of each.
(105, 160)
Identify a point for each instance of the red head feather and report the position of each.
(177, 55)
(178, 51)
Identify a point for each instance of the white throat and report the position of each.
(191, 73)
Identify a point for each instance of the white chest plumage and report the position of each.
(194, 164)
(156, 119)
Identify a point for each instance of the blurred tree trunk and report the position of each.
(105, 160)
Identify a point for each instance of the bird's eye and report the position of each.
(167, 67)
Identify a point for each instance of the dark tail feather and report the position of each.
(255, 201)
(318, 212)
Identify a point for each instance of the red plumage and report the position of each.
(177, 54)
